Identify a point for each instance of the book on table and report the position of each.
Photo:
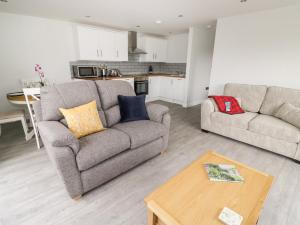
(223, 172)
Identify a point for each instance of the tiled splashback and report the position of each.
(131, 67)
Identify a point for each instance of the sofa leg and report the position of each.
(77, 198)
(205, 131)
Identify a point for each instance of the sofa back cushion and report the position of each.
(276, 96)
(68, 95)
(251, 96)
(289, 113)
(109, 91)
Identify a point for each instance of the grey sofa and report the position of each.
(257, 126)
(90, 161)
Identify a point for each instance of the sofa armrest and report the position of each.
(65, 162)
(156, 112)
(160, 113)
(207, 107)
(56, 134)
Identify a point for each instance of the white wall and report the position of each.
(258, 48)
(25, 41)
(199, 61)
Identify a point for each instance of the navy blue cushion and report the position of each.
(132, 108)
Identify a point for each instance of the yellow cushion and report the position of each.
(83, 120)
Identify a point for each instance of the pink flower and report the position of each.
(38, 69)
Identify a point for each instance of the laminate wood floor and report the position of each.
(31, 192)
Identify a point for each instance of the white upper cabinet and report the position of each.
(172, 50)
(102, 44)
(121, 45)
(106, 45)
(161, 52)
(111, 45)
(177, 48)
(88, 43)
(148, 44)
(155, 47)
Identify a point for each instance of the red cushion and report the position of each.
(233, 106)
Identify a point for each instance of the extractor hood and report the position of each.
(132, 44)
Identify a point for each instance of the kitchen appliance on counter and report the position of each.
(114, 73)
(141, 85)
(85, 71)
(95, 71)
(104, 72)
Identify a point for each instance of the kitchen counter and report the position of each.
(102, 78)
(135, 75)
(166, 75)
(161, 86)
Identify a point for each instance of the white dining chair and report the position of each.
(13, 116)
(31, 95)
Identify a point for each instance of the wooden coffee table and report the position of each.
(190, 198)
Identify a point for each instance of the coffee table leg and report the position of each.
(152, 218)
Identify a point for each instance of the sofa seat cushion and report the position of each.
(142, 132)
(274, 127)
(97, 147)
(238, 120)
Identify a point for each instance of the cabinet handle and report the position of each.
(101, 53)
(97, 52)
(118, 53)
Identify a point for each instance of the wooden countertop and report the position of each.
(19, 99)
(103, 78)
(165, 75)
(132, 76)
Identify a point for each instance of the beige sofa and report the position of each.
(257, 126)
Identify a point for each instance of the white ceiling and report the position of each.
(128, 14)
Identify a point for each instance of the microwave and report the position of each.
(85, 71)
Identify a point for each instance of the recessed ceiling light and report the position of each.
(208, 26)
(87, 16)
(3, 1)
(158, 21)
(137, 26)
(242, 1)
(180, 15)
